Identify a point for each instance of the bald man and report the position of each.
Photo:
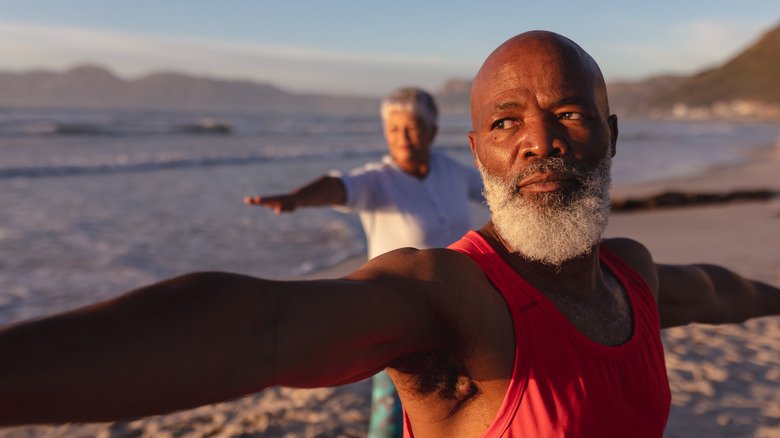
(531, 326)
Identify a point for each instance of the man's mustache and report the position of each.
(549, 165)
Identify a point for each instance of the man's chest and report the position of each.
(606, 320)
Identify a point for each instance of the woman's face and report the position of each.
(408, 138)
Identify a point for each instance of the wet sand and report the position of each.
(725, 380)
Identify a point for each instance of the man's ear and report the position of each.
(612, 121)
(473, 145)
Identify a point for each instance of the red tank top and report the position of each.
(563, 383)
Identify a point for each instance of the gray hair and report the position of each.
(413, 100)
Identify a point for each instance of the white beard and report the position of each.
(548, 227)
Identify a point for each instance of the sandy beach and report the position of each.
(725, 380)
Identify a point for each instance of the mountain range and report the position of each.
(746, 86)
(93, 86)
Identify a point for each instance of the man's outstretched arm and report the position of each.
(207, 337)
(327, 190)
(711, 294)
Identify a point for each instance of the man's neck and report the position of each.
(579, 278)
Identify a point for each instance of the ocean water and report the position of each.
(95, 203)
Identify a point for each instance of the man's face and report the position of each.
(408, 139)
(532, 100)
(543, 143)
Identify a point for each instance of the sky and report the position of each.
(364, 47)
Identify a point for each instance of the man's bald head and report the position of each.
(536, 48)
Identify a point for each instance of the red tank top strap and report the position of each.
(477, 248)
(636, 287)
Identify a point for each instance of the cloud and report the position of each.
(716, 39)
(296, 68)
(684, 47)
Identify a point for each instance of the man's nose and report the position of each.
(542, 139)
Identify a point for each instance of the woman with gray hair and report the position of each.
(414, 198)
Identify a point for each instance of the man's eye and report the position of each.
(504, 124)
(569, 116)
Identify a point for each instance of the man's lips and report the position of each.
(548, 182)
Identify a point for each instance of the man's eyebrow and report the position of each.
(573, 101)
(503, 106)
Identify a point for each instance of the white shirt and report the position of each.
(399, 210)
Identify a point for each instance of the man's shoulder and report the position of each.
(624, 245)
(435, 264)
(444, 276)
(630, 251)
(635, 255)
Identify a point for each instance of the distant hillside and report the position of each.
(96, 87)
(632, 99)
(91, 86)
(453, 96)
(753, 75)
(745, 87)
